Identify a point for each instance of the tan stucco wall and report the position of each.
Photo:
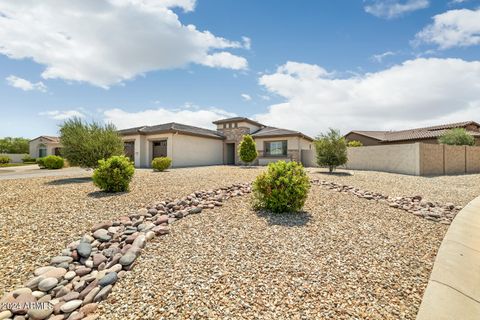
(196, 151)
(473, 159)
(35, 144)
(453, 291)
(431, 159)
(402, 158)
(184, 150)
(454, 159)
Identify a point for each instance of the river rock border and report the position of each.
(433, 211)
(86, 271)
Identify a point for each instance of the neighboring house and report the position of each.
(44, 146)
(194, 146)
(425, 135)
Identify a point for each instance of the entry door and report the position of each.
(129, 149)
(230, 153)
(160, 148)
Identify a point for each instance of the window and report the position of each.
(224, 126)
(276, 148)
(236, 124)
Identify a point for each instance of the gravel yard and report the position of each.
(40, 216)
(459, 190)
(344, 258)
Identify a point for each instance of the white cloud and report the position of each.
(24, 84)
(105, 42)
(197, 117)
(416, 92)
(246, 97)
(394, 8)
(454, 28)
(247, 43)
(62, 114)
(379, 57)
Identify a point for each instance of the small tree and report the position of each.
(247, 150)
(331, 150)
(354, 143)
(458, 137)
(84, 144)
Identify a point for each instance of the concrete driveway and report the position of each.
(34, 171)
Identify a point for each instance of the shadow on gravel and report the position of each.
(103, 194)
(298, 219)
(339, 174)
(59, 182)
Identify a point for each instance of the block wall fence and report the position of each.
(420, 159)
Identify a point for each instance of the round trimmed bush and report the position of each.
(40, 162)
(53, 162)
(4, 160)
(282, 188)
(161, 163)
(114, 174)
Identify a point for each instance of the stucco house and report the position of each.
(425, 135)
(44, 146)
(193, 146)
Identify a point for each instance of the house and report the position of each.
(44, 146)
(193, 146)
(425, 135)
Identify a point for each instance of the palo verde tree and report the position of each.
(458, 137)
(84, 144)
(331, 150)
(247, 150)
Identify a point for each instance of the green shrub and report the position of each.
(27, 159)
(53, 162)
(40, 162)
(458, 137)
(331, 150)
(114, 174)
(247, 150)
(4, 160)
(282, 188)
(161, 163)
(354, 143)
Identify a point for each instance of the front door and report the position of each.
(230, 153)
(159, 149)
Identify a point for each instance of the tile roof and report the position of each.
(173, 127)
(273, 132)
(238, 119)
(417, 133)
(50, 138)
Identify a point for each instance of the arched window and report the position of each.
(42, 151)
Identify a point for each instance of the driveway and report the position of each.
(34, 171)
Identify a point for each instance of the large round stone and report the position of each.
(84, 249)
(128, 258)
(40, 313)
(109, 278)
(47, 284)
(102, 235)
(71, 305)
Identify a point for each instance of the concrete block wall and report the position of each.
(413, 159)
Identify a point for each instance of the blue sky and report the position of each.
(304, 65)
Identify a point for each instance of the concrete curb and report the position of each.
(453, 291)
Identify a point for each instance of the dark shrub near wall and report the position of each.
(282, 188)
(4, 160)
